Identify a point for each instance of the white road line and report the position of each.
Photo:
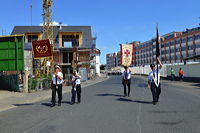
(139, 114)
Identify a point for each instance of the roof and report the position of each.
(86, 32)
(56, 30)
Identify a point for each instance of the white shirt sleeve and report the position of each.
(149, 76)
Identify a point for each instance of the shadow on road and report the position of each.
(46, 104)
(164, 112)
(135, 101)
(196, 85)
(109, 95)
(25, 104)
(171, 123)
(142, 85)
(66, 102)
(145, 102)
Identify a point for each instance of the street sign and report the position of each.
(12, 53)
(41, 49)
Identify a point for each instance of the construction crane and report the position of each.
(47, 30)
(47, 20)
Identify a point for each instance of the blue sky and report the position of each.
(113, 21)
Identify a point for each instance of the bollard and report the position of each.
(25, 83)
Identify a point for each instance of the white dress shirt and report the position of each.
(153, 77)
(58, 80)
(78, 79)
(126, 74)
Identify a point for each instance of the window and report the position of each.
(190, 47)
(172, 43)
(190, 39)
(184, 40)
(184, 48)
(197, 37)
(67, 44)
(198, 46)
(177, 49)
(178, 57)
(178, 41)
(167, 44)
(32, 38)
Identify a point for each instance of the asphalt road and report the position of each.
(104, 110)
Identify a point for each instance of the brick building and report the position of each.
(174, 47)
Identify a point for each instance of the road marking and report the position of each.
(139, 114)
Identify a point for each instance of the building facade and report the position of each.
(174, 47)
(69, 41)
(113, 60)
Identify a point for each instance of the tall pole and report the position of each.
(157, 49)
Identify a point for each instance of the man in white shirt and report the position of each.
(57, 80)
(76, 88)
(126, 80)
(154, 81)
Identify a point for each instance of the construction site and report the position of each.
(29, 54)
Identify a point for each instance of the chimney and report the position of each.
(60, 25)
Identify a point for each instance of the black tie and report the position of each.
(126, 75)
(154, 75)
(56, 80)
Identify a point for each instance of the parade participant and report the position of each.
(126, 80)
(172, 74)
(76, 88)
(180, 74)
(57, 80)
(154, 81)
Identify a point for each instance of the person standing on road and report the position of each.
(57, 80)
(180, 74)
(126, 80)
(76, 88)
(153, 84)
(172, 74)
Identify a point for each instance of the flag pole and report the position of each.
(157, 49)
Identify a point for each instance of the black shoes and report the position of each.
(72, 103)
(155, 102)
(53, 104)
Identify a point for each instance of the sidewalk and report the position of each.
(176, 83)
(9, 100)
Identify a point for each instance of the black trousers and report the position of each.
(57, 89)
(127, 83)
(76, 92)
(155, 92)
